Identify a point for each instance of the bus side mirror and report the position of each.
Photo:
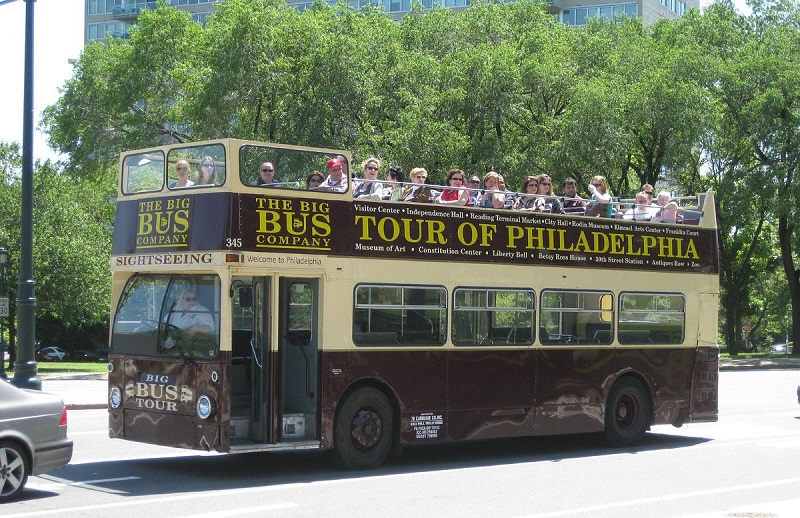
(246, 297)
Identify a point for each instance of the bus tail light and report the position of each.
(206, 406)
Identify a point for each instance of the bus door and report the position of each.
(297, 353)
(251, 361)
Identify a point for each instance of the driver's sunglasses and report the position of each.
(190, 299)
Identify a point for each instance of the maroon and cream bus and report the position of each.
(252, 317)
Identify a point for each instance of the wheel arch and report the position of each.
(385, 389)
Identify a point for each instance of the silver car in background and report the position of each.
(33, 437)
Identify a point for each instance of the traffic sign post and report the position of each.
(4, 307)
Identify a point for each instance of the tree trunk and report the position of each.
(785, 238)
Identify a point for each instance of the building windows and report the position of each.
(100, 31)
(681, 8)
(580, 16)
(103, 6)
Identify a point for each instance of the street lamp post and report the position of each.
(3, 310)
(25, 375)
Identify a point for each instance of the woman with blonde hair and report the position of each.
(417, 191)
(369, 187)
(601, 198)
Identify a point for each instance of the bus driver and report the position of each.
(190, 317)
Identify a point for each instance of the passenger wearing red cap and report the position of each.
(336, 180)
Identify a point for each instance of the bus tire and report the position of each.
(364, 430)
(628, 413)
(15, 469)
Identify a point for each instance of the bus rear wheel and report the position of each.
(364, 429)
(628, 413)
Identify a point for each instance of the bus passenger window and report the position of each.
(576, 317)
(493, 317)
(399, 315)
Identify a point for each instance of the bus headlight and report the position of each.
(205, 407)
(115, 396)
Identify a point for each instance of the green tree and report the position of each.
(72, 244)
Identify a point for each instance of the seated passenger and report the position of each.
(182, 170)
(491, 197)
(641, 211)
(571, 201)
(394, 183)
(527, 200)
(369, 187)
(600, 206)
(455, 194)
(417, 191)
(547, 200)
(336, 180)
(474, 185)
(670, 213)
(208, 173)
(267, 177)
(511, 196)
(314, 179)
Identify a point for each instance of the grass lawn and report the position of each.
(70, 367)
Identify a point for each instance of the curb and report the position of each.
(86, 406)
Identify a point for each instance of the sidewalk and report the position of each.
(744, 363)
(79, 391)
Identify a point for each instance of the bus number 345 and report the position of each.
(233, 242)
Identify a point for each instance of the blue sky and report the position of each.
(58, 37)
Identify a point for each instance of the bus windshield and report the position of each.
(165, 315)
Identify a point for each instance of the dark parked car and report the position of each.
(33, 437)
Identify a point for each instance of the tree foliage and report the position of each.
(71, 248)
(706, 101)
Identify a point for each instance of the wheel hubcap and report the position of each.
(366, 429)
(626, 412)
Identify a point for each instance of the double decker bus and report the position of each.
(252, 317)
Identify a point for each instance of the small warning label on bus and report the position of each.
(427, 425)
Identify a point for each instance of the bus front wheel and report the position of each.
(364, 429)
(628, 413)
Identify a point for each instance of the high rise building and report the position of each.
(114, 18)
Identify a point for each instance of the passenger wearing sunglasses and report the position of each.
(547, 201)
(337, 178)
(369, 187)
(267, 177)
(474, 185)
(208, 172)
(601, 198)
(182, 172)
(314, 179)
(455, 194)
(528, 199)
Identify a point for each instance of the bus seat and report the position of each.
(602, 336)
